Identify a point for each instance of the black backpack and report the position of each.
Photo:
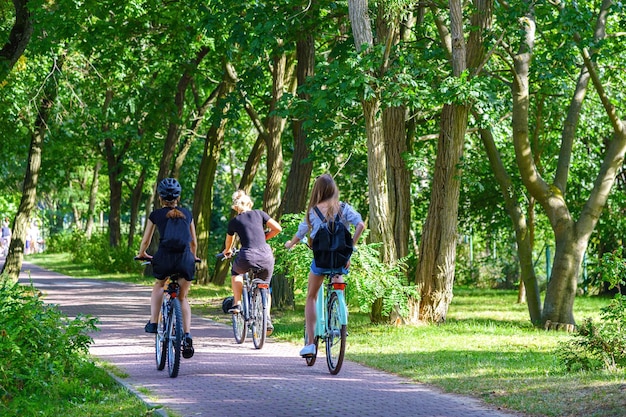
(332, 244)
(176, 237)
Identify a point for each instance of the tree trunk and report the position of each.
(399, 177)
(19, 38)
(275, 126)
(173, 130)
(135, 203)
(522, 228)
(21, 224)
(93, 195)
(294, 199)
(203, 193)
(437, 252)
(115, 167)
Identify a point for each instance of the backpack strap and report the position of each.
(319, 214)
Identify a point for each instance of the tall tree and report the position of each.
(437, 251)
(21, 224)
(380, 223)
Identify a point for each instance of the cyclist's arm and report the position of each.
(145, 241)
(358, 230)
(274, 227)
(193, 245)
(291, 243)
(228, 246)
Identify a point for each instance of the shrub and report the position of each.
(369, 279)
(601, 345)
(38, 344)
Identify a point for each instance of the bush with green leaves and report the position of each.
(369, 278)
(601, 345)
(39, 346)
(97, 251)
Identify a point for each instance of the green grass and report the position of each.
(486, 349)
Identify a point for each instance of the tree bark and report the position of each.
(203, 193)
(21, 224)
(135, 203)
(275, 127)
(437, 252)
(93, 195)
(19, 38)
(173, 131)
(299, 178)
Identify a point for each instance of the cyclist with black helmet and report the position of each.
(165, 262)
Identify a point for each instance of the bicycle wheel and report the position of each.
(310, 360)
(239, 319)
(175, 337)
(160, 338)
(258, 310)
(335, 336)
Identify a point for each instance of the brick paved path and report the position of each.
(225, 379)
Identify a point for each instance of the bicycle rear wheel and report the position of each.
(175, 338)
(258, 309)
(335, 336)
(160, 338)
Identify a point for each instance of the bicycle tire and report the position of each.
(239, 319)
(259, 316)
(335, 338)
(310, 360)
(175, 338)
(160, 338)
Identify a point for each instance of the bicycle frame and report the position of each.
(320, 306)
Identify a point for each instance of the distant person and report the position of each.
(167, 261)
(5, 240)
(254, 228)
(324, 197)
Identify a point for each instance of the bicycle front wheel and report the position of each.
(175, 338)
(239, 320)
(335, 336)
(160, 338)
(259, 316)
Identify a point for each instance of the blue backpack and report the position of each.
(332, 244)
(176, 237)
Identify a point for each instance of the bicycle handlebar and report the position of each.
(221, 256)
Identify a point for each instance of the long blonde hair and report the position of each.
(324, 189)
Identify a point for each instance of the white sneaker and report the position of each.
(308, 350)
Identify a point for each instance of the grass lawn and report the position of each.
(486, 349)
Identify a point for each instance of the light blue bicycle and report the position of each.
(331, 325)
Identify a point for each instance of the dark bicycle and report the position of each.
(169, 337)
(254, 308)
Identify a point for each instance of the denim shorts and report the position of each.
(325, 271)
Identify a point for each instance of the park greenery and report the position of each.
(482, 141)
(486, 349)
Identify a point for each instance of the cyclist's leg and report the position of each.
(315, 281)
(236, 283)
(184, 286)
(156, 299)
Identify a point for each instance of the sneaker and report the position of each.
(270, 326)
(187, 346)
(308, 351)
(150, 327)
(235, 309)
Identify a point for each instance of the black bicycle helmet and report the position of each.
(169, 189)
